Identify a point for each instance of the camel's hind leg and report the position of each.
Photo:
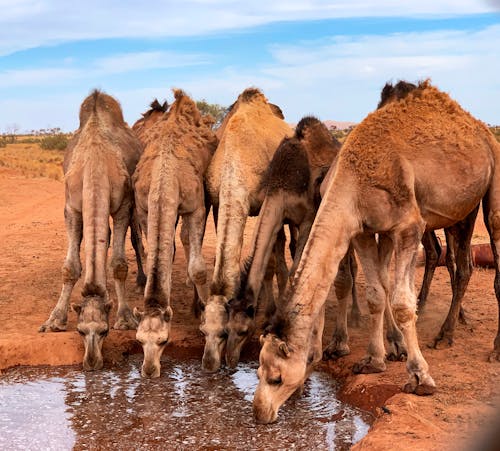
(71, 272)
(354, 319)
(367, 249)
(432, 249)
(343, 284)
(404, 302)
(195, 225)
(136, 239)
(125, 319)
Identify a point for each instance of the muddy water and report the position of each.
(64, 408)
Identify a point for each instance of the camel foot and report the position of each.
(421, 386)
(125, 320)
(335, 350)
(442, 341)
(397, 350)
(57, 322)
(369, 365)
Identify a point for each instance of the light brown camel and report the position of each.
(98, 164)
(249, 136)
(292, 187)
(168, 183)
(396, 176)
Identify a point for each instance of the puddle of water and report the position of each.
(64, 408)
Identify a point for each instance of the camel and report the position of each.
(249, 136)
(98, 164)
(396, 177)
(168, 183)
(292, 184)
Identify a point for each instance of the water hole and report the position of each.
(65, 408)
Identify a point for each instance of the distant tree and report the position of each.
(218, 112)
(11, 131)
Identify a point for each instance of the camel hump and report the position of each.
(100, 104)
(156, 106)
(289, 169)
(305, 124)
(251, 94)
(398, 91)
(185, 107)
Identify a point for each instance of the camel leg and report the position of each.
(197, 271)
(266, 293)
(339, 347)
(432, 249)
(354, 319)
(71, 272)
(461, 234)
(303, 235)
(404, 303)
(396, 345)
(125, 319)
(281, 268)
(367, 250)
(136, 239)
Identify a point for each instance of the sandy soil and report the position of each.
(32, 250)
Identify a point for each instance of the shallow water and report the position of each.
(64, 408)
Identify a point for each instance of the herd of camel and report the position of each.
(416, 164)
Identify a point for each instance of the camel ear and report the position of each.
(262, 340)
(284, 349)
(138, 315)
(107, 306)
(77, 308)
(168, 313)
(227, 306)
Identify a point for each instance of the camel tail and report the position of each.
(163, 205)
(269, 223)
(96, 231)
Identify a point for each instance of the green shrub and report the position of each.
(3, 142)
(54, 142)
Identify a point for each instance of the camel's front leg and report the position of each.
(71, 272)
(125, 319)
(195, 223)
(339, 346)
(404, 304)
(368, 252)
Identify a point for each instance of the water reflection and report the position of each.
(61, 408)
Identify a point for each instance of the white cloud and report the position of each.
(33, 23)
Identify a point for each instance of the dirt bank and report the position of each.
(32, 250)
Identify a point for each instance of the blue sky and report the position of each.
(328, 58)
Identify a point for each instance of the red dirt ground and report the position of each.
(32, 250)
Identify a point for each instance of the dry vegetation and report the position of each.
(33, 161)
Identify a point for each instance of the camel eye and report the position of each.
(242, 333)
(81, 333)
(223, 335)
(275, 381)
(162, 343)
(103, 333)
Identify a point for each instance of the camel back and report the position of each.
(424, 124)
(149, 118)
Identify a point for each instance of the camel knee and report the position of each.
(494, 222)
(120, 268)
(375, 295)
(71, 272)
(197, 272)
(403, 314)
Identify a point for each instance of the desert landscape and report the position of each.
(33, 243)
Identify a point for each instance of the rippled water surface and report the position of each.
(64, 408)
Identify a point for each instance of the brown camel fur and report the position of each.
(395, 176)
(149, 118)
(249, 136)
(291, 184)
(98, 165)
(168, 183)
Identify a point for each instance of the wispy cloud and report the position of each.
(32, 23)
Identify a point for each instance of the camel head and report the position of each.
(239, 328)
(153, 333)
(93, 326)
(281, 372)
(214, 316)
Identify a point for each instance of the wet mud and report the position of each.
(63, 408)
